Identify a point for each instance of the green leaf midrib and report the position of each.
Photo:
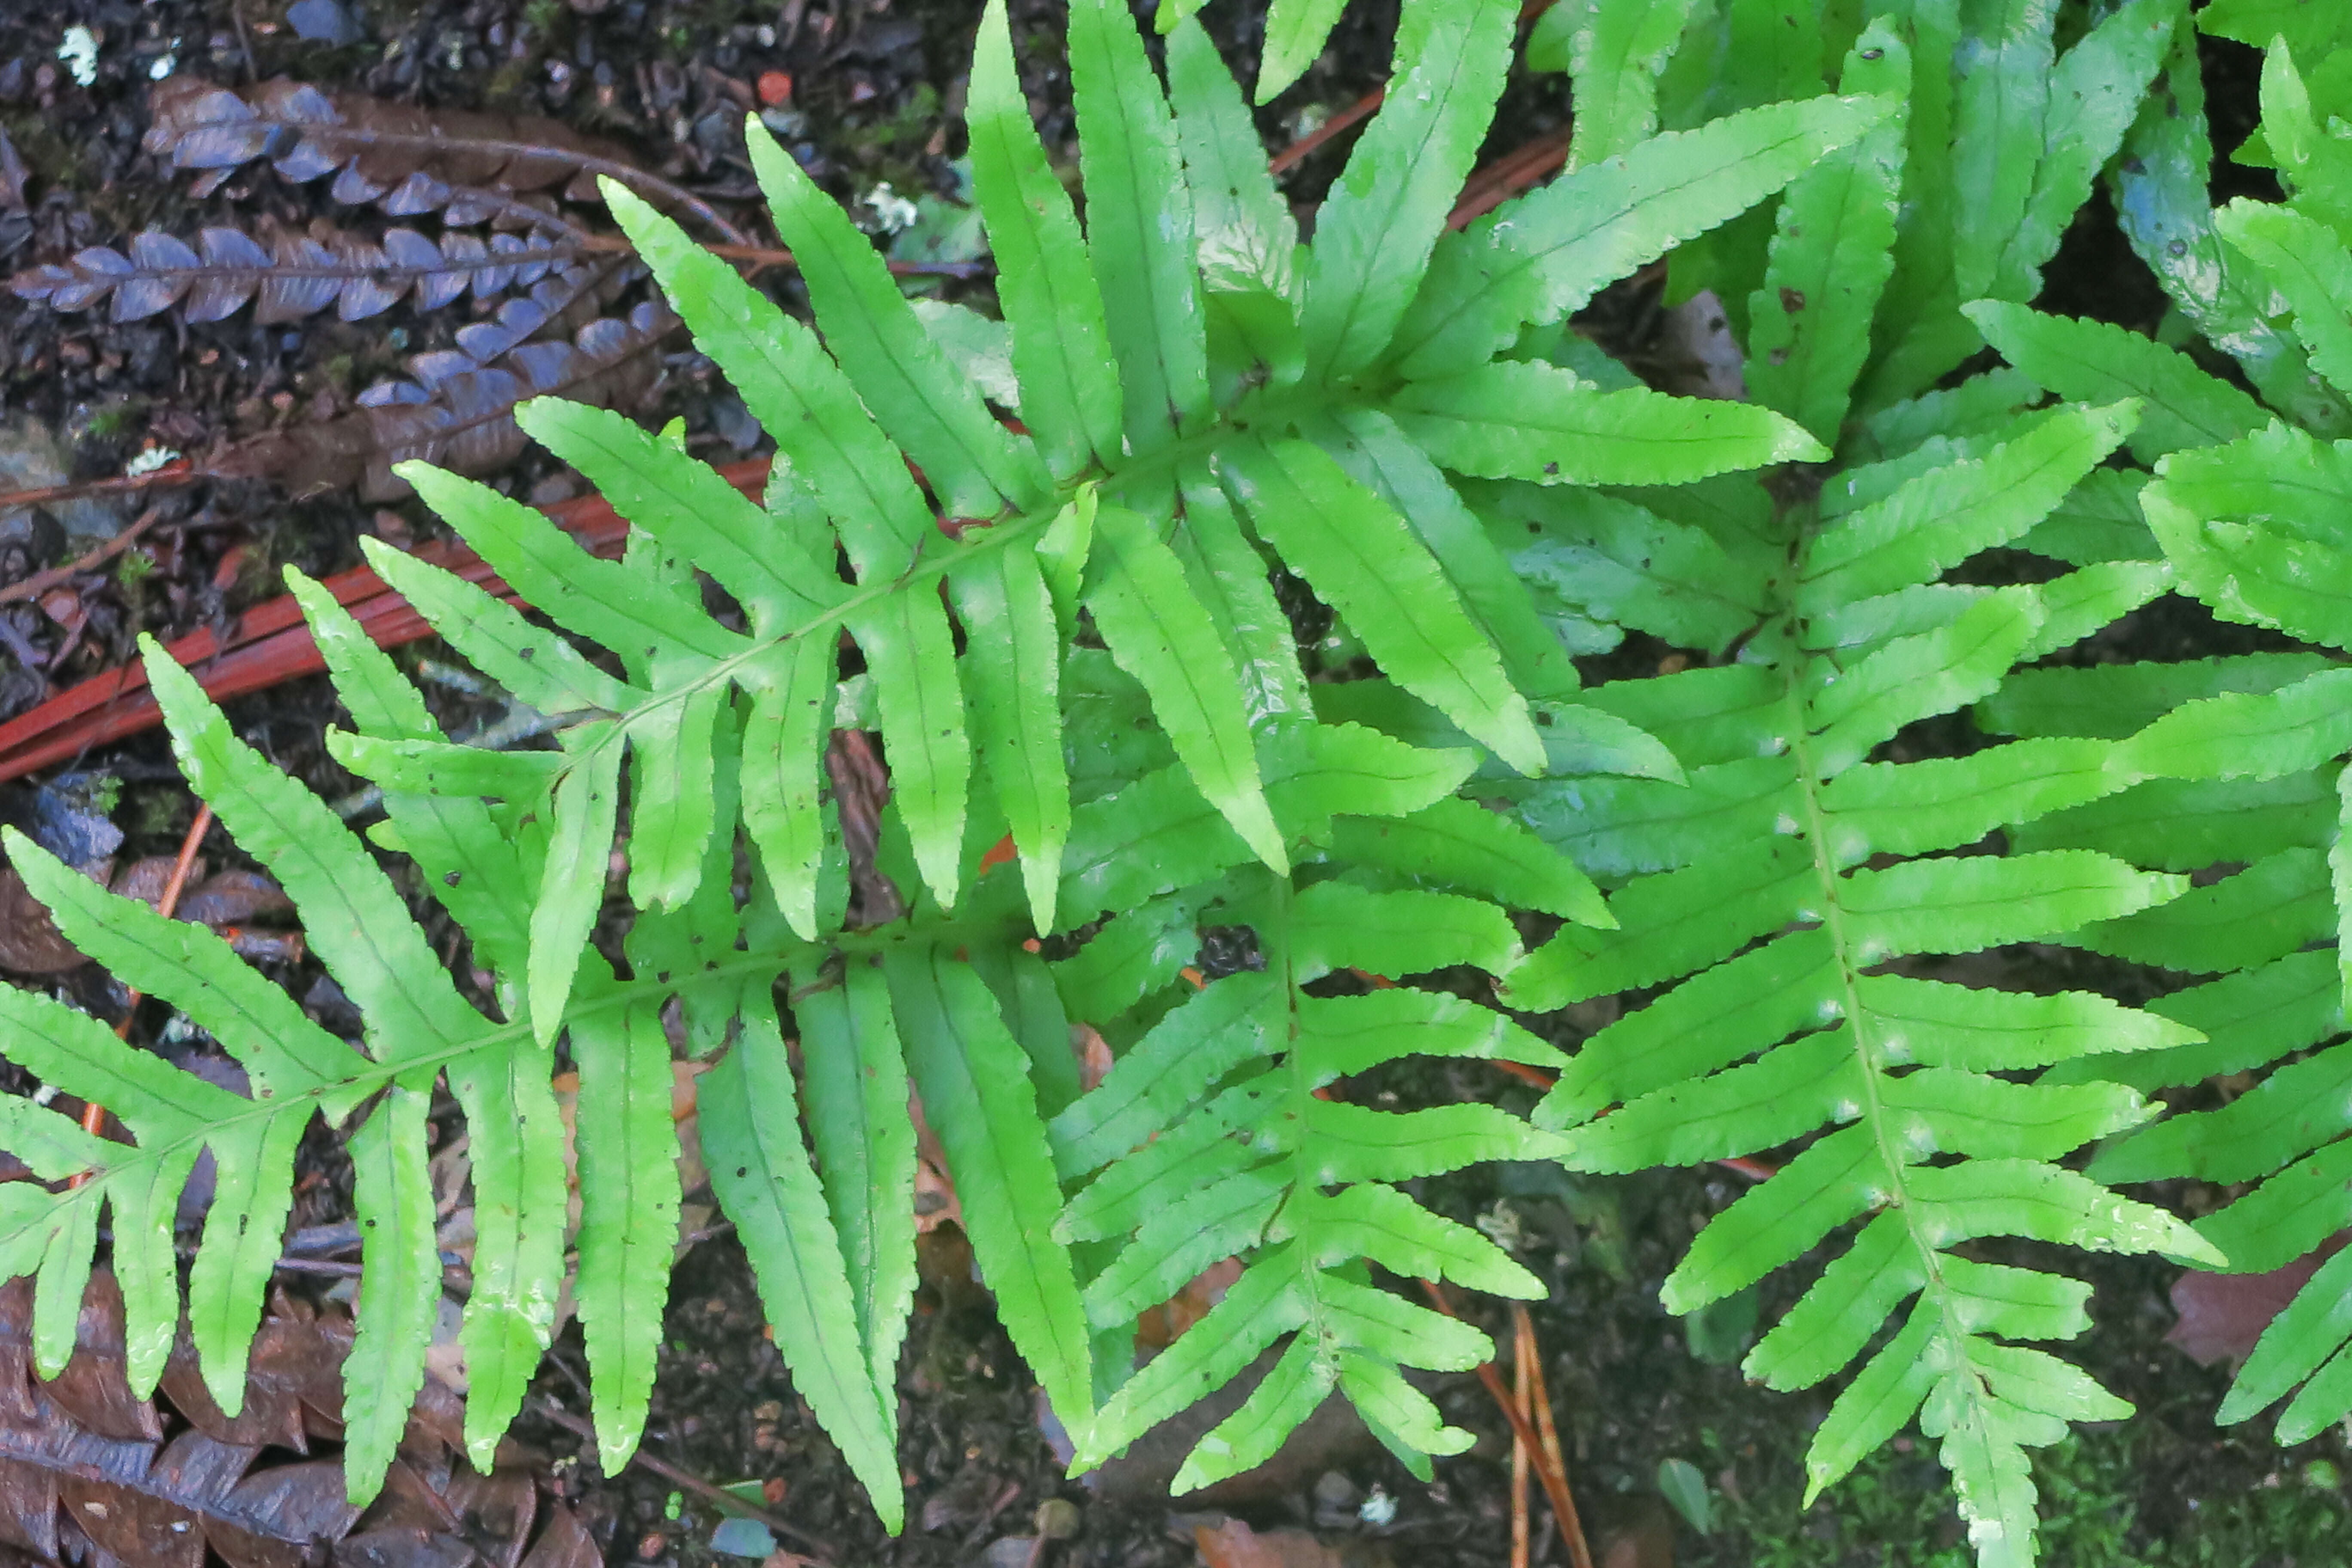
(1829, 879)
(611, 996)
(1280, 900)
(1265, 410)
(615, 994)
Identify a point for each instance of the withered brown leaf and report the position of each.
(157, 1484)
(466, 165)
(459, 412)
(293, 275)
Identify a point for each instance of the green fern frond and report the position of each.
(1613, 52)
(844, 483)
(1085, 656)
(418, 1027)
(2240, 760)
(2163, 198)
(1792, 899)
(2248, 770)
(1218, 1142)
(2002, 138)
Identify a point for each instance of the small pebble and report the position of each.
(324, 22)
(549, 491)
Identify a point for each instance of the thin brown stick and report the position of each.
(93, 1115)
(166, 906)
(169, 903)
(686, 1480)
(1554, 1468)
(243, 44)
(1355, 114)
(1298, 151)
(180, 473)
(1521, 1347)
(40, 582)
(1555, 1479)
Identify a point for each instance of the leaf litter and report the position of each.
(90, 1474)
(945, 1441)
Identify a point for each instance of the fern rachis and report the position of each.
(1200, 394)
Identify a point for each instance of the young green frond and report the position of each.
(1794, 899)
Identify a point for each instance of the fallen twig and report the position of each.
(1363, 108)
(179, 473)
(772, 256)
(1355, 114)
(1505, 178)
(93, 1115)
(1522, 1351)
(1550, 1468)
(40, 582)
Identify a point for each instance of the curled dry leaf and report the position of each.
(85, 1464)
(467, 166)
(13, 175)
(458, 410)
(29, 942)
(224, 898)
(405, 158)
(293, 275)
(2221, 1315)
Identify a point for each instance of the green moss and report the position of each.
(156, 812)
(114, 419)
(915, 121)
(1896, 1511)
(48, 154)
(509, 82)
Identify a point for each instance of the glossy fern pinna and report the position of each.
(1034, 551)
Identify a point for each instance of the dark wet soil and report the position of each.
(872, 96)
